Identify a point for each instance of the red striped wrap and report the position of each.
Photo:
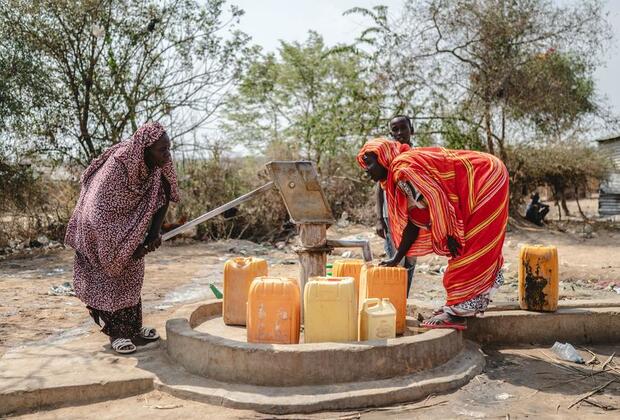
(467, 196)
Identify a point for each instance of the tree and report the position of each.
(572, 86)
(20, 78)
(107, 65)
(487, 64)
(570, 166)
(455, 138)
(308, 97)
(388, 61)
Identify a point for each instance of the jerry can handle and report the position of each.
(376, 301)
(242, 261)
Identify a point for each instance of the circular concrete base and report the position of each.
(204, 346)
(468, 363)
(215, 326)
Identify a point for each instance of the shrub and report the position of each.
(33, 203)
(208, 183)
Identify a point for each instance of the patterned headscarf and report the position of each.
(131, 153)
(385, 150)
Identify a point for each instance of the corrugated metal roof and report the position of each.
(609, 139)
(609, 204)
(609, 198)
(612, 149)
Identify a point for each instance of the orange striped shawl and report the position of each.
(467, 196)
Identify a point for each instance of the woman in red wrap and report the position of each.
(450, 202)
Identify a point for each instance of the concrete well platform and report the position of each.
(577, 322)
(278, 379)
(447, 377)
(203, 345)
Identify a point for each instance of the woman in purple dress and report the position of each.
(117, 220)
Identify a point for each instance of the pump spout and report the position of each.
(356, 243)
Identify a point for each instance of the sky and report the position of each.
(269, 21)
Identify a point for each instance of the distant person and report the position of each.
(117, 220)
(401, 130)
(448, 202)
(536, 211)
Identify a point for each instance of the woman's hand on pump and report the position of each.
(152, 243)
(140, 252)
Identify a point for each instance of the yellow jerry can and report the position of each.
(386, 282)
(377, 320)
(538, 278)
(238, 275)
(330, 310)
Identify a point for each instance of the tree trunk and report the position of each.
(556, 200)
(563, 201)
(584, 217)
(500, 143)
(487, 124)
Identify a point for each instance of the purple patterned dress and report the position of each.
(118, 198)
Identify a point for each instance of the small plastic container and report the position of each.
(377, 320)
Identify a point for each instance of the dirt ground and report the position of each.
(517, 383)
(180, 272)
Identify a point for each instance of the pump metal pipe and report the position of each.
(217, 211)
(356, 243)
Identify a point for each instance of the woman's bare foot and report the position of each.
(444, 320)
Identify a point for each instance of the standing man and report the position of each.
(401, 131)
